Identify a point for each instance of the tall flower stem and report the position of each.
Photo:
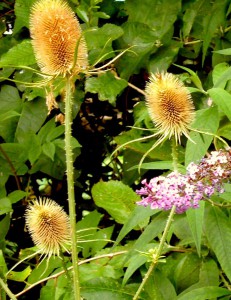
(70, 186)
(157, 254)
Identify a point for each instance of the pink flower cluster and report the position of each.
(185, 191)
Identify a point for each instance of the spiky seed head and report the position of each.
(48, 225)
(169, 104)
(56, 35)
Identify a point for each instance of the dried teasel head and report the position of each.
(48, 225)
(56, 38)
(170, 105)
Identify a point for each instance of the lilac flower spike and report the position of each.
(185, 191)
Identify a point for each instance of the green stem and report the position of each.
(7, 290)
(158, 253)
(174, 155)
(70, 187)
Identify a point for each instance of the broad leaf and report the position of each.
(116, 198)
(204, 293)
(106, 85)
(218, 233)
(20, 55)
(195, 220)
(222, 100)
(207, 121)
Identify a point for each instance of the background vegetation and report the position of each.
(161, 35)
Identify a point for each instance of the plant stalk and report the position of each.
(70, 187)
(158, 253)
(7, 290)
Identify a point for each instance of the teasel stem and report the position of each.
(157, 254)
(70, 186)
(7, 290)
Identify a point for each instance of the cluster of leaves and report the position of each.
(158, 35)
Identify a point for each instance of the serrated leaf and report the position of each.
(195, 220)
(106, 288)
(204, 293)
(116, 198)
(20, 55)
(160, 287)
(222, 100)
(207, 120)
(106, 85)
(218, 233)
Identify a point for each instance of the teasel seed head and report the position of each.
(56, 35)
(170, 105)
(48, 225)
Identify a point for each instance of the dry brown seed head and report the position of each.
(55, 33)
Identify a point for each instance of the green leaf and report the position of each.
(106, 85)
(46, 129)
(151, 231)
(19, 276)
(49, 150)
(10, 101)
(8, 115)
(224, 51)
(194, 77)
(221, 74)
(99, 42)
(33, 115)
(16, 195)
(159, 287)
(17, 155)
(158, 15)
(135, 219)
(3, 267)
(209, 273)
(218, 233)
(204, 293)
(212, 21)
(106, 288)
(187, 271)
(195, 220)
(164, 57)
(20, 55)
(222, 100)
(22, 11)
(207, 120)
(4, 225)
(5, 206)
(140, 38)
(116, 198)
(55, 133)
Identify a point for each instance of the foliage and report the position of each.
(189, 38)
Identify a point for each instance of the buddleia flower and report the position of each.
(170, 105)
(48, 225)
(56, 37)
